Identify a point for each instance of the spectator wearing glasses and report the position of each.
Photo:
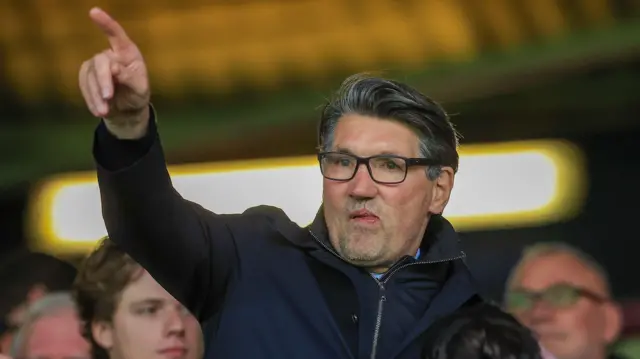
(563, 295)
(126, 314)
(364, 280)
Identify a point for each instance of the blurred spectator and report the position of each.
(24, 278)
(480, 332)
(127, 314)
(563, 295)
(51, 330)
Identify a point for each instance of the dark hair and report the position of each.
(104, 274)
(21, 270)
(481, 331)
(387, 99)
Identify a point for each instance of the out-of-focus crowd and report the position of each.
(111, 308)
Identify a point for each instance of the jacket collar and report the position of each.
(439, 244)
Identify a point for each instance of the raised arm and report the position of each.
(189, 250)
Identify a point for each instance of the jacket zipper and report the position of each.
(381, 284)
(376, 332)
(394, 270)
(383, 298)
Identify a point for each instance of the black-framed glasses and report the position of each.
(558, 296)
(383, 169)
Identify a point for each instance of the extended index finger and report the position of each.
(116, 35)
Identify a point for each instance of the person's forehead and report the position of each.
(546, 270)
(367, 136)
(56, 334)
(142, 288)
(61, 318)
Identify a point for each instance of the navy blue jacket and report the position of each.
(266, 287)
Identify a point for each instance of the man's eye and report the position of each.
(150, 310)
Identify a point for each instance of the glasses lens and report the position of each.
(561, 295)
(388, 169)
(519, 300)
(338, 166)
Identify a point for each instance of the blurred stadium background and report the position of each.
(241, 80)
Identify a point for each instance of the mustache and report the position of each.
(361, 205)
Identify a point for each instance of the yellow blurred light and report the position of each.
(498, 185)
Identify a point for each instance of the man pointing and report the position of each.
(375, 268)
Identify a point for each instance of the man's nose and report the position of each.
(541, 311)
(362, 185)
(175, 323)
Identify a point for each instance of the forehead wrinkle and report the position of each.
(388, 138)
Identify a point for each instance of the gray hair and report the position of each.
(551, 248)
(387, 99)
(48, 305)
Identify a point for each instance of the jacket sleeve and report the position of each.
(190, 251)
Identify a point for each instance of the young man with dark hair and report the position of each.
(126, 314)
(480, 332)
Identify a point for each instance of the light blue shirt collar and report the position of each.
(379, 275)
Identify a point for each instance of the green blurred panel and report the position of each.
(628, 348)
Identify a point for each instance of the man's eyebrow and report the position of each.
(382, 153)
(146, 301)
(344, 150)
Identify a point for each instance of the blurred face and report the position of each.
(570, 316)
(370, 224)
(150, 324)
(57, 336)
(15, 317)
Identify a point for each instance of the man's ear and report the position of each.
(613, 322)
(102, 333)
(441, 193)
